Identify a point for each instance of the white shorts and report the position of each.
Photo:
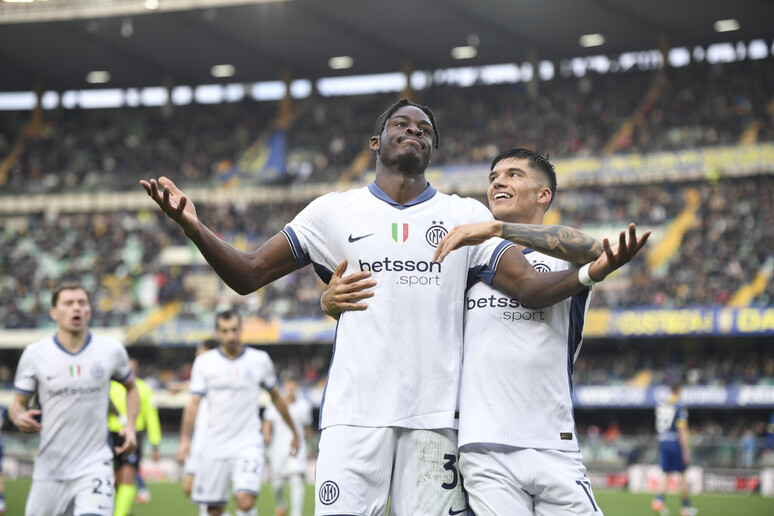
(91, 494)
(360, 468)
(282, 465)
(213, 478)
(524, 481)
(189, 468)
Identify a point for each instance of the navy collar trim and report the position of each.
(244, 349)
(377, 192)
(60, 346)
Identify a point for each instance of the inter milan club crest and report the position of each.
(329, 492)
(541, 267)
(97, 371)
(400, 232)
(435, 233)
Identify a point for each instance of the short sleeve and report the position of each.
(122, 372)
(308, 233)
(268, 376)
(198, 384)
(26, 382)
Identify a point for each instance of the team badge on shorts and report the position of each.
(541, 267)
(436, 232)
(329, 492)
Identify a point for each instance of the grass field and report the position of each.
(168, 500)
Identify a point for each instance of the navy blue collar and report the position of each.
(244, 349)
(59, 344)
(377, 192)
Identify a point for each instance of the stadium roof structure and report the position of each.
(144, 43)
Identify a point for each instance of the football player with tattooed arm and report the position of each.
(519, 453)
(373, 433)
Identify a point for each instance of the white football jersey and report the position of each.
(516, 386)
(398, 362)
(301, 414)
(73, 391)
(230, 389)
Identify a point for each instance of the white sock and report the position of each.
(297, 492)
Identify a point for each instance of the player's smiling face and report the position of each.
(516, 192)
(72, 312)
(407, 140)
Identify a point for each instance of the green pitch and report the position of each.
(168, 499)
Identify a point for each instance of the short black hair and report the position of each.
(541, 163)
(227, 314)
(70, 285)
(382, 120)
(210, 343)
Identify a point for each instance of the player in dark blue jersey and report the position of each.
(674, 450)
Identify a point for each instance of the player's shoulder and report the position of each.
(105, 342)
(257, 355)
(467, 207)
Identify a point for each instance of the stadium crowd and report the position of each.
(672, 108)
(121, 255)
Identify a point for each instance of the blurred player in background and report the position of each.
(373, 432)
(674, 450)
(229, 379)
(199, 431)
(71, 373)
(148, 425)
(128, 480)
(284, 469)
(517, 360)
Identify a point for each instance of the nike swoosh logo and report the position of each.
(51, 377)
(452, 512)
(355, 239)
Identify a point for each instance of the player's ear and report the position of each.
(375, 143)
(52, 312)
(545, 196)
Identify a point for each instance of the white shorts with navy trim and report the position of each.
(92, 494)
(213, 478)
(526, 482)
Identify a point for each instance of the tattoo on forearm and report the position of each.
(561, 242)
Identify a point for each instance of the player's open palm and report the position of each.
(172, 201)
(615, 257)
(467, 234)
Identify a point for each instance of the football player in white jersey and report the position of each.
(518, 449)
(388, 413)
(197, 438)
(284, 469)
(228, 380)
(71, 373)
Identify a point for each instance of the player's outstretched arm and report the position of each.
(615, 257)
(242, 271)
(344, 293)
(561, 242)
(21, 417)
(516, 277)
